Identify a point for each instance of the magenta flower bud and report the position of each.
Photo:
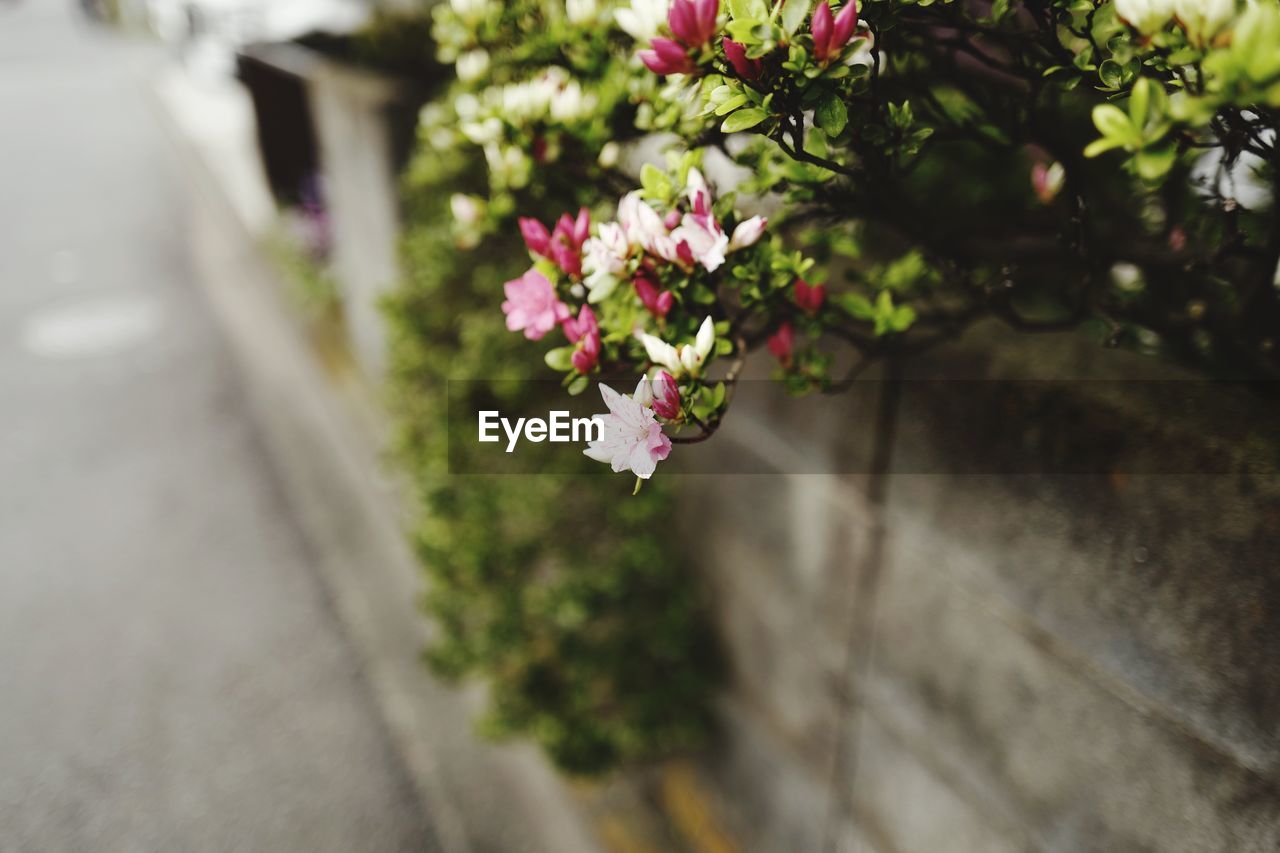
(809, 296)
(693, 22)
(664, 303)
(535, 234)
(846, 23)
(747, 69)
(667, 57)
(821, 27)
(672, 219)
(666, 397)
(584, 332)
(781, 343)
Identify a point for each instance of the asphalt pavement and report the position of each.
(172, 677)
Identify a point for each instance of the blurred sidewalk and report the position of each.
(172, 675)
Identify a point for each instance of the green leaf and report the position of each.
(739, 9)
(743, 119)
(1101, 146)
(1154, 163)
(794, 13)
(831, 115)
(559, 359)
(731, 104)
(1113, 124)
(578, 385)
(656, 183)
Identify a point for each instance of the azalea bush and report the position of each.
(638, 194)
(1052, 164)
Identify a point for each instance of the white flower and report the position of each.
(466, 209)
(641, 223)
(570, 103)
(1202, 19)
(685, 359)
(643, 19)
(581, 11)
(631, 438)
(467, 106)
(1146, 16)
(609, 154)
(470, 10)
(604, 260)
(482, 132)
(705, 238)
(747, 233)
(472, 65)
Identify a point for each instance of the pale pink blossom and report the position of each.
(666, 396)
(532, 306)
(604, 260)
(747, 233)
(640, 223)
(704, 240)
(631, 438)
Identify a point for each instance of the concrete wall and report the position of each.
(967, 661)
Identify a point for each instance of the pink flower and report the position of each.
(700, 238)
(585, 333)
(657, 302)
(631, 438)
(781, 343)
(667, 57)
(535, 234)
(532, 305)
(747, 233)
(1047, 180)
(809, 296)
(563, 246)
(693, 22)
(666, 396)
(747, 69)
(830, 36)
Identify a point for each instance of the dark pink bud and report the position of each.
(684, 253)
(846, 23)
(809, 296)
(672, 219)
(566, 257)
(821, 27)
(667, 57)
(707, 12)
(682, 18)
(781, 343)
(535, 234)
(666, 397)
(587, 354)
(747, 69)
(656, 302)
(581, 227)
(584, 325)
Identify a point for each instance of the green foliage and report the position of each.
(564, 599)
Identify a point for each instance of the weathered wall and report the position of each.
(989, 662)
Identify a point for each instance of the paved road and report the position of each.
(171, 676)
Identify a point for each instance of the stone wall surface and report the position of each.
(974, 653)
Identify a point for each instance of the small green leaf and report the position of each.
(743, 119)
(560, 358)
(794, 13)
(578, 385)
(1112, 123)
(731, 104)
(831, 115)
